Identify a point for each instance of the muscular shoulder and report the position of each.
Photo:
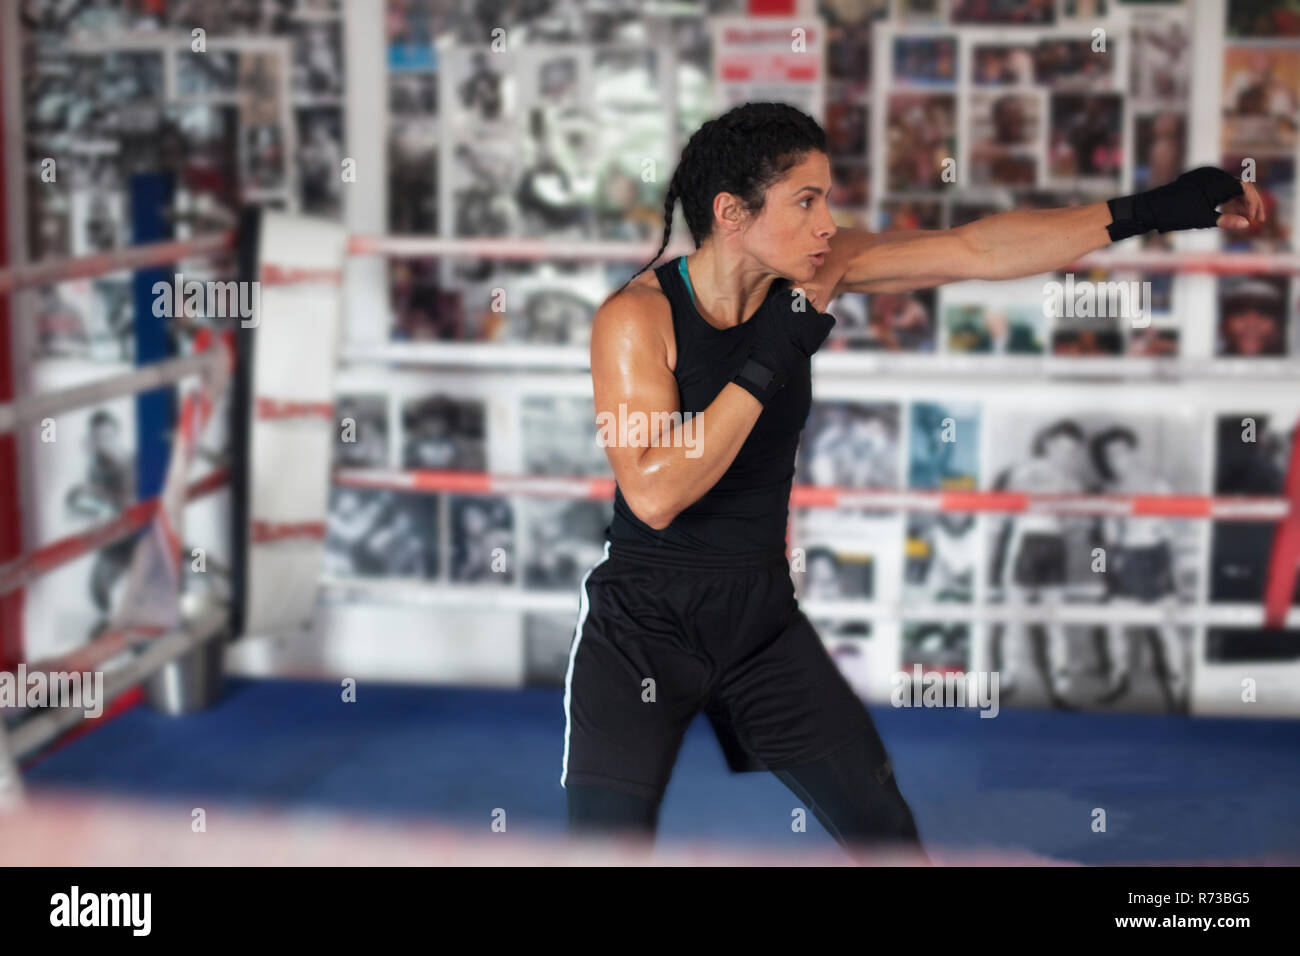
(638, 317)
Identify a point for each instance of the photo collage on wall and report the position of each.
(1260, 139)
(491, 541)
(255, 116)
(568, 131)
(867, 577)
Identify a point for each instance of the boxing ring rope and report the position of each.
(133, 257)
(169, 372)
(1233, 508)
(205, 621)
(1223, 508)
(1151, 260)
(34, 733)
(19, 572)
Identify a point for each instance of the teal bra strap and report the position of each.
(686, 277)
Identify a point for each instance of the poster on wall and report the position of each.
(770, 61)
(1080, 561)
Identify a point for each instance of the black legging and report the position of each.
(851, 791)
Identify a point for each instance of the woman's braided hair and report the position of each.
(742, 152)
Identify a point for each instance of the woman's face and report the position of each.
(794, 225)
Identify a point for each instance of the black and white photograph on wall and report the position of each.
(413, 175)
(920, 135)
(318, 59)
(61, 316)
(1100, 667)
(49, 220)
(1253, 450)
(548, 638)
(444, 433)
(553, 304)
(851, 646)
(320, 160)
(939, 647)
(361, 440)
(88, 465)
(836, 576)
(412, 95)
(1085, 139)
(103, 491)
(482, 540)
(560, 437)
(844, 555)
(692, 40)
(98, 221)
(126, 90)
(112, 319)
(1159, 56)
(379, 533)
(210, 77)
(850, 445)
(981, 329)
(1043, 559)
(482, 91)
(483, 178)
(852, 327)
(217, 17)
(633, 123)
(1253, 316)
(558, 175)
(1006, 140)
(1147, 559)
(563, 539)
(942, 558)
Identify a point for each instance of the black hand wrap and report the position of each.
(1188, 202)
(782, 337)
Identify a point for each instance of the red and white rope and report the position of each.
(415, 247)
(142, 379)
(18, 573)
(1229, 508)
(102, 263)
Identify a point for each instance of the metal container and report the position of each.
(191, 682)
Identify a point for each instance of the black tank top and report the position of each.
(746, 511)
